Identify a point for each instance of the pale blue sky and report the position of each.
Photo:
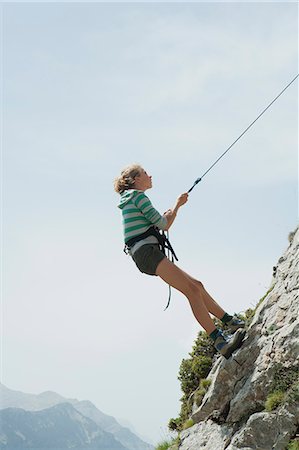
(90, 88)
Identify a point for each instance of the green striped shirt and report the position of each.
(138, 214)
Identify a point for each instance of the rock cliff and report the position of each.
(253, 398)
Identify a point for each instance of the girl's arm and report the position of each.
(170, 215)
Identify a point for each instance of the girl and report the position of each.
(140, 223)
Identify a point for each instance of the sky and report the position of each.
(88, 88)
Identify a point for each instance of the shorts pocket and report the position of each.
(143, 259)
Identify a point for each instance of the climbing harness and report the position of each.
(242, 134)
(163, 240)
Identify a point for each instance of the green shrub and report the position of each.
(285, 377)
(293, 445)
(205, 384)
(192, 371)
(163, 445)
(249, 314)
(284, 388)
(272, 328)
(174, 424)
(203, 345)
(199, 395)
(188, 424)
(171, 445)
(274, 400)
(185, 412)
(293, 393)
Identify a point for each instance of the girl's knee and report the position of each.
(193, 288)
(199, 283)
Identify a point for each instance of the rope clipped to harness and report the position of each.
(168, 251)
(170, 255)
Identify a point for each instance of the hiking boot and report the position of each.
(234, 324)
(227, 345)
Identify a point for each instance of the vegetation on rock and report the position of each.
(285, 387)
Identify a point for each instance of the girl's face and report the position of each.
(143, 181)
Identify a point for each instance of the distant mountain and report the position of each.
(30, 402)
(60, 427)
(109, 424)
(127, 424)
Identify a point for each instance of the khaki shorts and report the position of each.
(147, 258)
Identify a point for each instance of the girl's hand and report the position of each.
(170, 214)
(182, 199)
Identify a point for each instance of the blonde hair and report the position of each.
(126, 180)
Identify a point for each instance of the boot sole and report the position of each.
(240, 335)
(233, 330)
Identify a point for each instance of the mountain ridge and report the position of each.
(49, 399)
(58, 427)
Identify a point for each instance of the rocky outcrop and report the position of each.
(232, 414)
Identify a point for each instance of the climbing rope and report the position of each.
(224, 153)
(242, 134)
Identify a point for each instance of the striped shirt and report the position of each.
(138, 214)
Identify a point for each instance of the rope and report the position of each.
(242, 134)
(224, 153)
(169, 255)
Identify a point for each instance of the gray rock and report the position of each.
(205, 435)
(265, 431)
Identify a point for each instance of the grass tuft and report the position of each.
(274, 400)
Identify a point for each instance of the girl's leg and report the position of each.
(211, 304)
(181, 281)
(197, 296)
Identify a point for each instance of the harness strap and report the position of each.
(152, 231)
(166, 245)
